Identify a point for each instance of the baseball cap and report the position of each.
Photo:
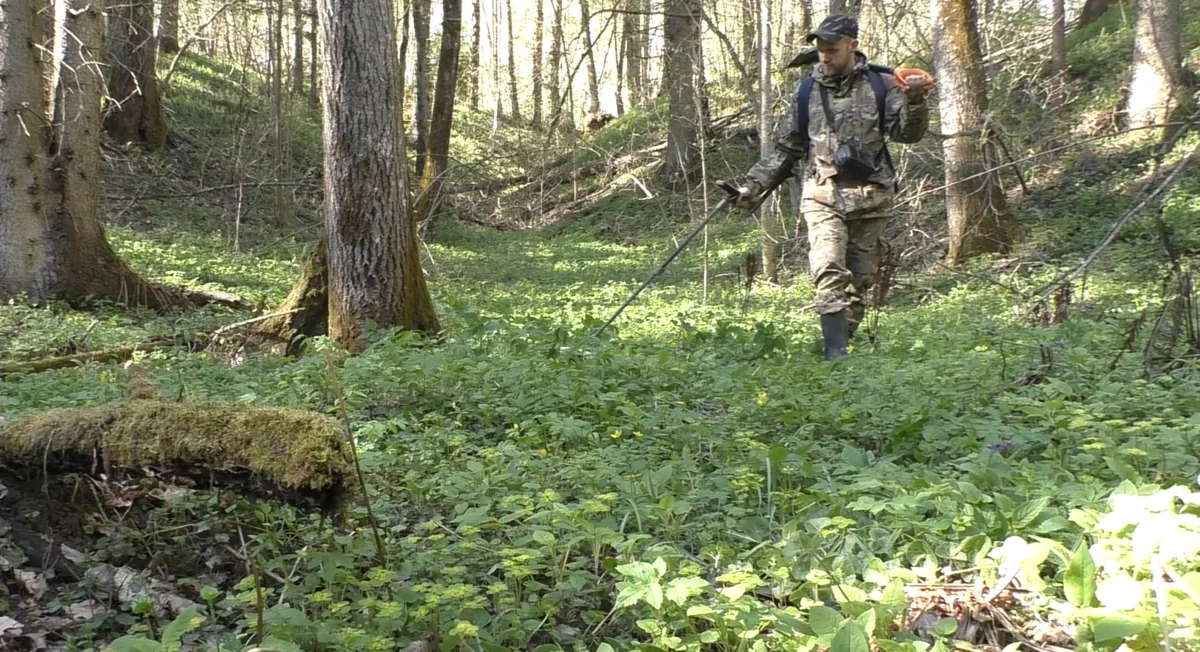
(834, 28)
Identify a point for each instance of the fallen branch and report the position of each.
(201, 297)
(118, 354)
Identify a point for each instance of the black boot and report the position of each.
(833, 328)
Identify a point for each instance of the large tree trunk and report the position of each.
(539, 55)
(556, 55)
(443, 110)
(618, 45)
(975, 205)
(1092, 9)
(593, 81)
(314, 86)
(512, 65)
(374, 261)
(749, 20)
(421, 18)
(305, 311)
(634, 54)
(1058, 38)
(135, 109)
(476, 46)
(51, 238)
(681, 165)
(168, 26)
(297, 48)
(1155, 88)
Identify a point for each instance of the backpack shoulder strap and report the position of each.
(880, 89)
(802, 99)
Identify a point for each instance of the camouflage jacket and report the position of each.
(856, 115)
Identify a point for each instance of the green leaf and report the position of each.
(134, 644)
(474, 466)
(549, 647)
(1028, 511)
(824, 620)
(605, 647)
(699, 610)
(845, 593)
(851, 638)
(543, 537)
(710, 636)
(1112, 627)
(682, 588)
(1079, 583)
(187, 620)
(875, 572)
(650, 626)
(273, 644)
(867, 619)
(654, 595)
(1123, 470)
(777, 455)
(945, 627)
(893, 596)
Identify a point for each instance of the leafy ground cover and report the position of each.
(974, 474)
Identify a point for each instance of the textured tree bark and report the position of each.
(749, 20)
(1155, 88)
(421, 18)
(847, 7)
(1092, 9)
(539, 48)
(51, 238)
(772, 234)
(476, 46)
(374, 261)
(975, 207)
(443, 110)
(297, 48)
(314, 86)
(514, 99)
(309, 299)
(618, 45)
(135, 109)
(593, 81)
(1058, 38)
(681, 165)
(556, 55)
(634, 53)
(168, 26)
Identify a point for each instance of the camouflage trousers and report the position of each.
(843, 256)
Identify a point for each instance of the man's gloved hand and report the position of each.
(747, 194)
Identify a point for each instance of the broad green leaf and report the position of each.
(1079, 582)
(1123, 470)
(134, 644)
(1027, 512)
(650, 626)
(605, 647)
(824, 620)
(682, 588)
(875, 572)
(851, 638)
(273, 644)
(867, 619)
(945, 627)
(654, 595)
(845, 593)
(660, 565)
(549, 647)
(710, 636)
(1112, 627)
(777, 455)
(543, 537)
(474, 466)
(699, 610)
(187, 620)
(893, 596)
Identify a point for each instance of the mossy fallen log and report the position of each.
(301, 452)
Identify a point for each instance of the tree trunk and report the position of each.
(593, 81)
(306, 309)
(847, 7)
(51, 238)
(297, 48)
(539, 53)
(282, 207)
(443, 110)
(135, 109)
(772, 235)
(421, 18)
(494, 45)
(749, 21)
(168, 26)
(314, 86)
(682, 30)
(374, 261)
(514, 100)
(618, 44)
(1155, 88)
(556, 55)
(476, 46)
(975, 207)
(1092, 10)
(1058, 41)
(633, 52)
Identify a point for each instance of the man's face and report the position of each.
(837, 57)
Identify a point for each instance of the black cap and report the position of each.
(835, 28)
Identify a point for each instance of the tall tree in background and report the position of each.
(421, 18)
(313, 84)
(589, 52)
(476, 46)
(618, 45)
(681, 165)
(1156, 85)
(556, 56)
(494, 45)
(280, 200)
(539, 54)
(52, 242)
(374, 262)
(443, 110)
(297, 48)
(634, 54)
(1058, 38)
(514, 99)
(168, 26)
(848, 7)
(975, 204)
(135, 111)
(772, 234)
(749, 26)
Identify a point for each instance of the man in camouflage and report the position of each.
(845, 218)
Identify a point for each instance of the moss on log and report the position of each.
(296, 450)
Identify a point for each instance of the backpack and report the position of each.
(874, 76)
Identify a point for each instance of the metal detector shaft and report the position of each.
(721, 205)
(731, 195)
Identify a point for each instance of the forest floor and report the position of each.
(696, 477)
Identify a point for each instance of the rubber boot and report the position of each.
(833, 328)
